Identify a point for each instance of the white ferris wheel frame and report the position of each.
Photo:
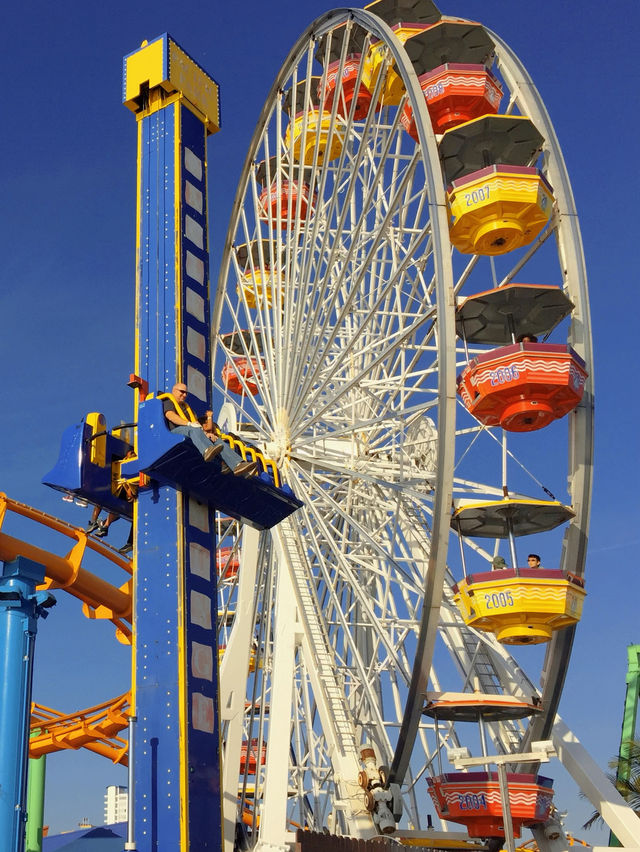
(294, 591)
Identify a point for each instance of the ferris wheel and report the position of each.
(378, 241)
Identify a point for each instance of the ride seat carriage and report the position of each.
(311, 126)
(227, 563)
(259, 278)
(287, 195)
(240, 373)
(260, 502)
(524, 386)
(92, 466)
(498, 199)
(455, 93)
(355, 81)
(405, 20)
(474, 798)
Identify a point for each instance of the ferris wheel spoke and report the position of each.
(358, 532)
(534, 248)
(369, 427)
(344, 313)
(329, 402)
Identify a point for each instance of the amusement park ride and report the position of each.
(400, 322)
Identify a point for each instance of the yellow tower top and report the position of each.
(161, 68)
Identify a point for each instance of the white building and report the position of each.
(116, 805)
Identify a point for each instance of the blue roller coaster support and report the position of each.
(20, 607)
(177, 802)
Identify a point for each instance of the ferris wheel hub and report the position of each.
(279, 447)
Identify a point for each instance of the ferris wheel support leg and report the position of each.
(550, 837)
(235, 664)
(595, 784)
(333, 711)
(274, 808)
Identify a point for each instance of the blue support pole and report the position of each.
(20, 607)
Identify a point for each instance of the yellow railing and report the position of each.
(255, 455)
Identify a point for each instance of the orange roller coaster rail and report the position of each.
(95, 729)
(100, 599)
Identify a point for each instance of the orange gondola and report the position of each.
(238, 370)
(524, 386)
(250, 754)
(331, 60)
(293, 190)
(455, 93)
(473, 799)
(452, 61)
(227, 563)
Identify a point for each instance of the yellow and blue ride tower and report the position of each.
(176, 757)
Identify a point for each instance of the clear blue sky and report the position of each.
(67, 282)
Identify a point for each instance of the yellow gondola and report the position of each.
(521, 606)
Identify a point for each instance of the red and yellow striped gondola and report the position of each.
(499, 201)
(259, 279)
(311, 126)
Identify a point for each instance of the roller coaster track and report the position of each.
(100, 599)
(95, 729)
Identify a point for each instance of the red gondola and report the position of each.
(524, 386)
(455, 93)
(227, 563)
(473, 799)
(249, 756)
(241, 368)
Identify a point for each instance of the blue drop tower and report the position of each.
(176, 758)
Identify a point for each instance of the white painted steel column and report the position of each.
(594, 783)
(276, 779)
(233, 681)
(335, 717)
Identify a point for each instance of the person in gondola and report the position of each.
(526, 338)
(533, 561)
(181, 419)
(498, 563)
